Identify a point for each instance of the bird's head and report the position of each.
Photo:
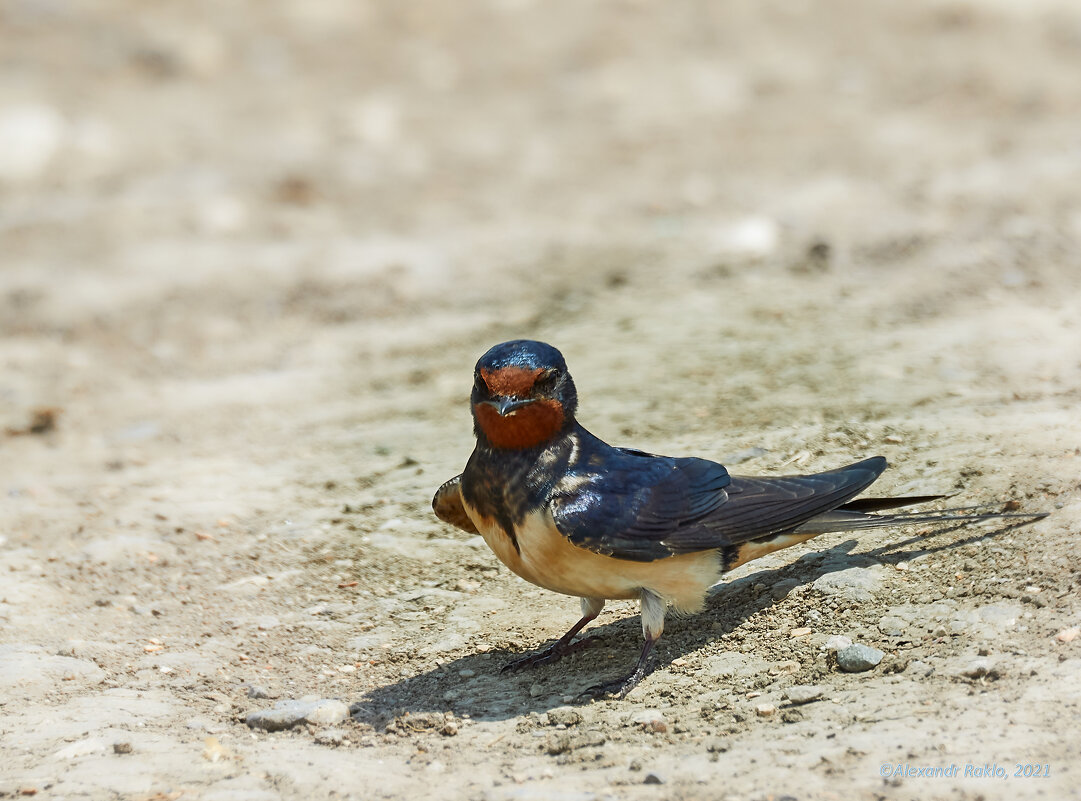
(522, 395)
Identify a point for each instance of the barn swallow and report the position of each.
(572, 514)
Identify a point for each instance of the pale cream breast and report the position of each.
(548, 559)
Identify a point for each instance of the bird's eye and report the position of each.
(547, 379)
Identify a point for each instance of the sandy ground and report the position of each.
(250, 252)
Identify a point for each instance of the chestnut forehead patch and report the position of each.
(511, 380)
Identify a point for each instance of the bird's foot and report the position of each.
(620, 687)
(617, 688)
(546, 656)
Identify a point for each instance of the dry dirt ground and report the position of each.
(251, 252)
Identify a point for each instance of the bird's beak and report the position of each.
(506, 406)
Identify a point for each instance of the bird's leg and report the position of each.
(653, 611)
(591, 607)
(618, 688)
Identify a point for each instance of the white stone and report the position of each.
(30, 137)
(224, 214)
(853, 584)
(647, 717)
(324, 713)
(750, 237)
(91, 745)
(837, 642)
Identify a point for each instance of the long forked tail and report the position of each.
(862, 514)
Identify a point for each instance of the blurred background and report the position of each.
(336, 206)
(251, 250)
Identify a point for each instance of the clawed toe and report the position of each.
(620, 687)
(617, 688)
(546, 656)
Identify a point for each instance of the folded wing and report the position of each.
(646, 507)
(448, 507)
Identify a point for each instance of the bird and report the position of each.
(572, 514)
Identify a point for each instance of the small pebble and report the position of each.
(765, 710)
(651, 720)
(1068, 635)
(558, 744)
(30, 136)
(976, 669)
(800, 632)
(858, 658)
(326, 712)
(289, 713)
(330, 737)
(564, 715)
(122, 748)
(854, 584)
(837, 642)
(786, 668)
(891, 626)
(653, 778)
(80, 748)
(804, 693)
(213, 750)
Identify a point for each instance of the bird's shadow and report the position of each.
(484, 693)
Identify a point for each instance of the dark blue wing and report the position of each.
(628, 504)
(764, 507)
(637, 506)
